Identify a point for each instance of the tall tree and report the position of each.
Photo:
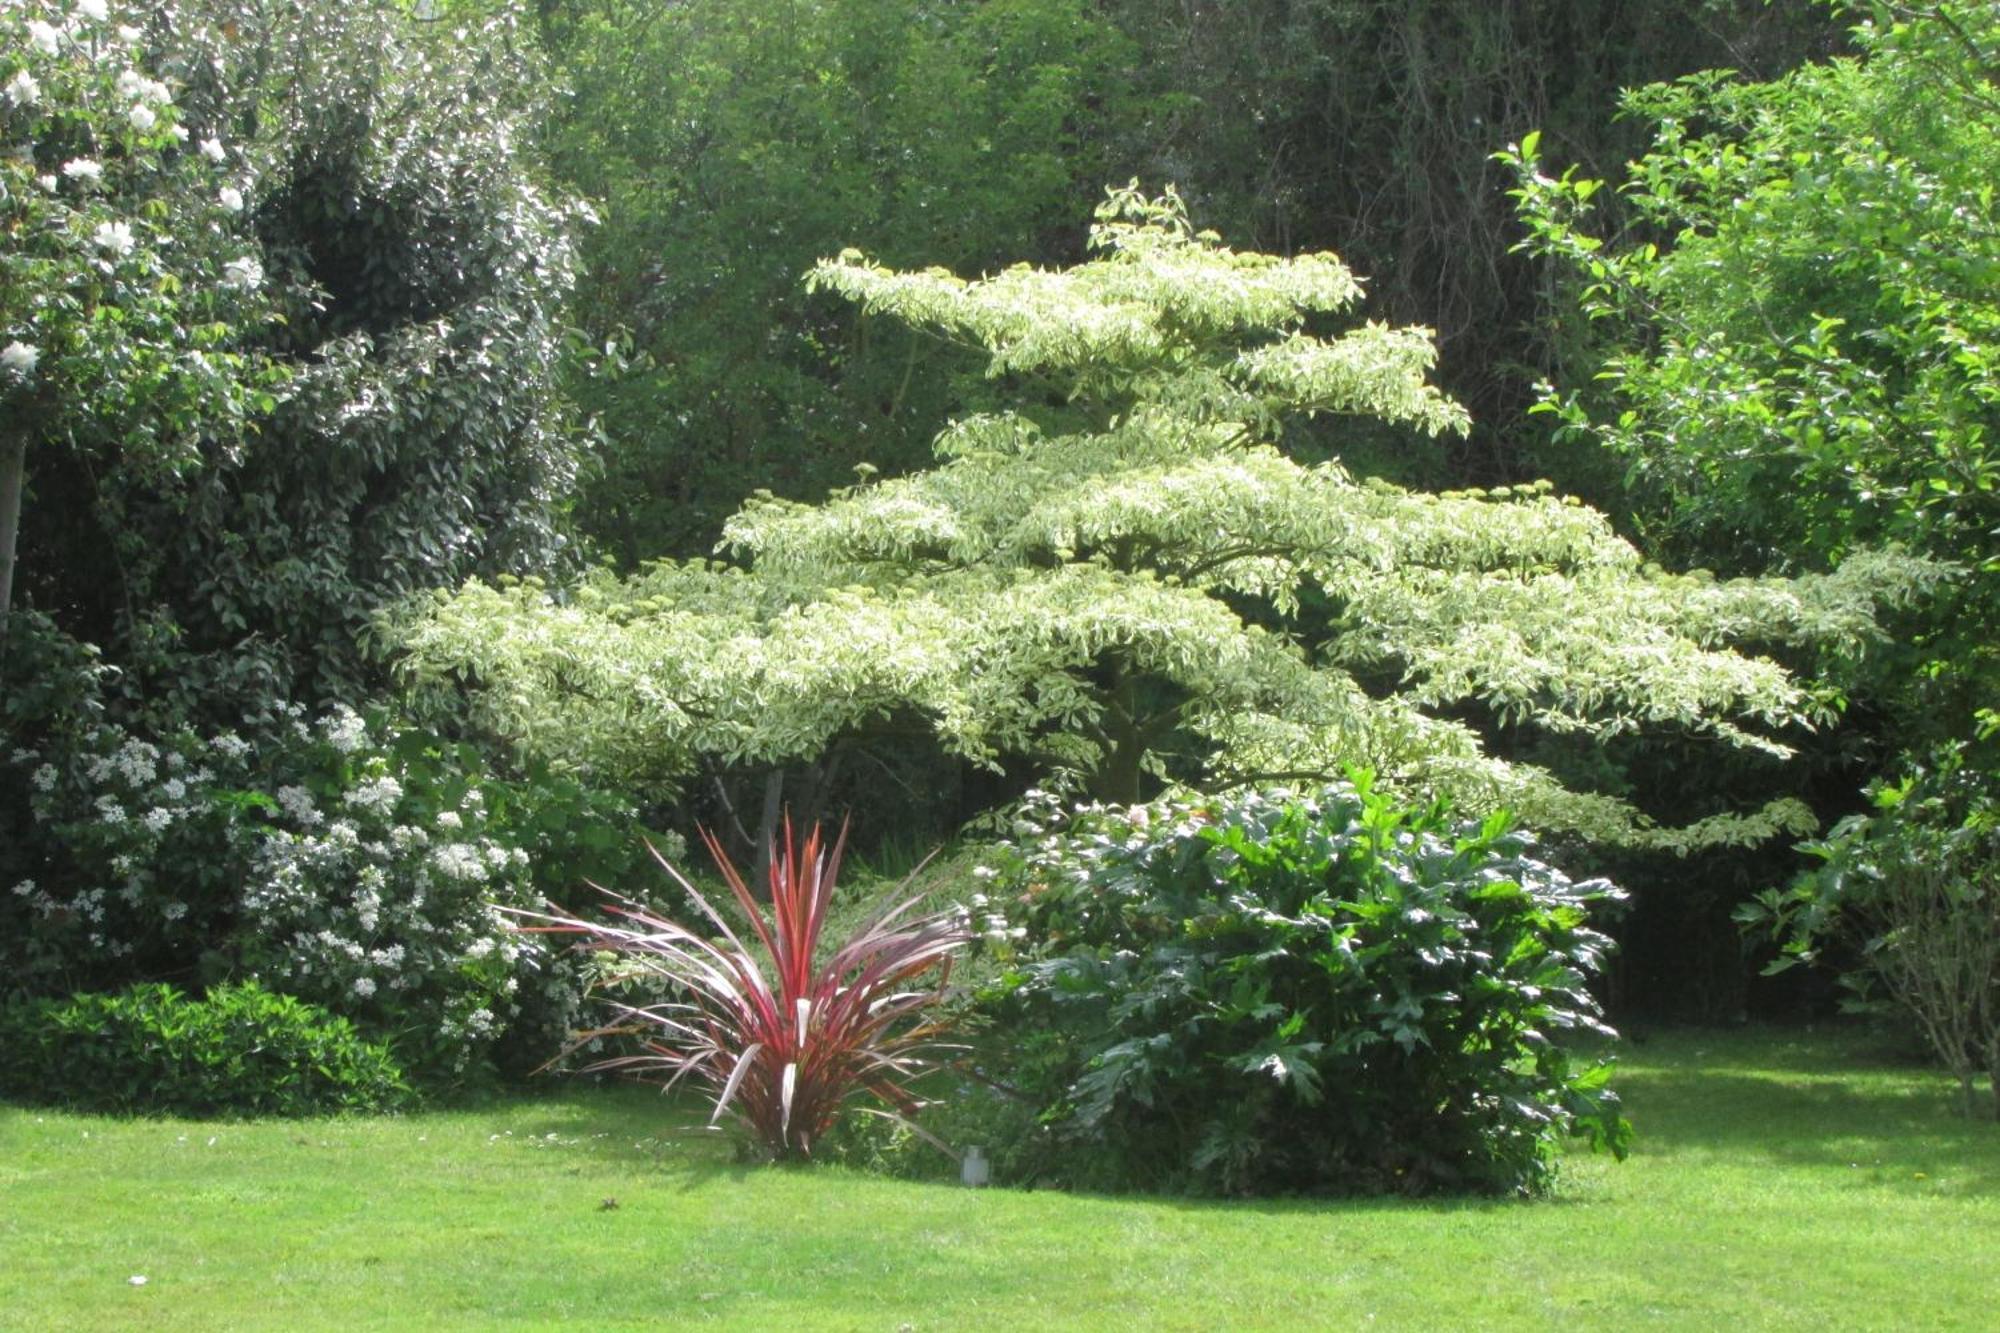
(1140, 585)
(130, 281)
(374, 190)
(1798, 354)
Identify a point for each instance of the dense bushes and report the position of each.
(1278, 993)
(349, 861)
(242, 1050)
(282, 315)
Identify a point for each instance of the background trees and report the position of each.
(733, 145)
(1796, 348)
(330, 370)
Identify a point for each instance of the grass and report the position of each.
(1782, 1180)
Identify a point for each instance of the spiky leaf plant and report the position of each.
(787, 1034)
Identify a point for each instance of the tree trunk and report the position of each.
(767, 827)
(13, 463)
(1121, 772)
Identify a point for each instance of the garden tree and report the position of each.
(1914, 889)
(1798, 350)
(130, 282)
(731, 145)
(420, 274)
(1117, 589)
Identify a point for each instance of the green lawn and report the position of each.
(1781, 1180)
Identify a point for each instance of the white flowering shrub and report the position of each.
(126, 294)
(357, 865)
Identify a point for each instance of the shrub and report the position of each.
(352, 862)
(788, 1052)
(1277, 993)
(1914, 885)
(242, 1050)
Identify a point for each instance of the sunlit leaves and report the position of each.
(1116, 588)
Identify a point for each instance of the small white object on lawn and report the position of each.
(137, 1279)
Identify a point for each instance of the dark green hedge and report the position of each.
(151, 1050)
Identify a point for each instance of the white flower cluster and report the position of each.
(116, 804)
(82, 76)
(349, 885)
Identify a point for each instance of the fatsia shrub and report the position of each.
(788, 1039)
(239, 1050)
(1273, 993)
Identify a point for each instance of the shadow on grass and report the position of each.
(1883, 1122)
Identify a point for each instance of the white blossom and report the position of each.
(128, 34)
(143, 117)
(158, 819)
(46, 38)
(377, 795)
(22, 90)
(113, 238)
(136, 87)
(243, 274)
(44, 778)
(136, 760)
(450, 819)
(364, 987)
(229, 745)
(231, 199)
(343, 728)
(24, 888)
(83, 169)
(95, 10)
(211, 149)
(20, 359)
(297, 803)
(47, 181)
(460, 861)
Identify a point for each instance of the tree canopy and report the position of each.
(1797, 351)
(1139, 585)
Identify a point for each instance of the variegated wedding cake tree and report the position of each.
(1114, 590)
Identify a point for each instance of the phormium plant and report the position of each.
(787, 1035)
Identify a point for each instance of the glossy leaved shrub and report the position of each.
(1279, 993)
(240, 1050)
